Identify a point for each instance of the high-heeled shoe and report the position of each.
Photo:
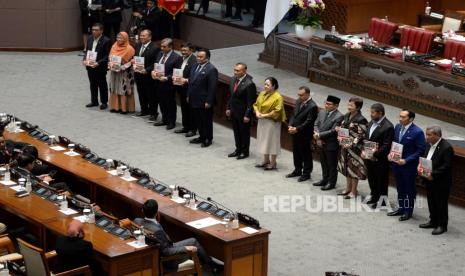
(343, 193)
(350, 196)
(270, 167)
(262, 165)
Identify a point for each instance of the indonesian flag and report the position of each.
(171, 6)
(275, 11)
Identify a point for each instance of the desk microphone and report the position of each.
(219, 204)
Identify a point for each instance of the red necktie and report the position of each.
(236, 84)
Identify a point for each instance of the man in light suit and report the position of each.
(164, 83)
(301, 128)
(201, 93)
(243, 93)
(405, 170)
(439, 180)
(145, 84)
(188, 61)
(380, 131)
(326, 136)
(167, 246)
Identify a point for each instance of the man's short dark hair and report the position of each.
(150, 208)
(242, 64)
(98, 25)
(307, 90)
(25, 159)
(378, 108)
(206, 51)
(188, 45)
(358, 102)
(31, 150)
(411, 114)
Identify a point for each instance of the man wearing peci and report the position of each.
(405, 170)
(164, 83)
(381, 132)
(326, 137)
(188, 60)
(243, 93)
(439, 180)
(145, 84)
(97, 71)
(203, 81)
(301, 126)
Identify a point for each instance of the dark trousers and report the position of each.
(438, 196)
(204, 119)
(188, 122)
(98, 81)
(145, 86)
(259, 15)
(241, 134)
(328, 160)
(406, 189)
(153, 100)
(302, 152)
(378, 178)
(168, 105)
(204, 258)
(111, 26)
(204, 4)
(238, 4)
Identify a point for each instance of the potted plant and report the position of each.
(308, 18)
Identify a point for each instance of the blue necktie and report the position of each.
(402, 132)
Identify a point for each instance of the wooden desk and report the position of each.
(46, 222)
(242, 254)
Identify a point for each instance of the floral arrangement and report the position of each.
(309, 12)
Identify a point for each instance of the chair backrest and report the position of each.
(381, 30)
(454, 48)
(34, 258)
(452, 21)
(419, 40)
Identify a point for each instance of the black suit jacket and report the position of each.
(114, 17)
(442, 164)
(173, 61)
(191, 61)
(240, 102)
(383, 135)
(103, 51)
(150, 54)
(73, 253)
(202, 85)
(304, 118)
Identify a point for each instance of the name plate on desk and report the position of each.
(459, 71)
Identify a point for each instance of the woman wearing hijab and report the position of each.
(121, 75)
(269, 109)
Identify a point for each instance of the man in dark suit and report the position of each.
(405, 170)
(325, 135)
(97, 71)
(167, 246)
(145, 84)
(201, 94)
(189, 60)
(237, 13)
(73, 251)
(380, 131)
(243, 93)
(164, 83)
(204, 4)
(439, 180)
(112, 17)
(301, 126)
(259, 13)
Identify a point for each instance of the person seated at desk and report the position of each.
(5, 154)
(168, 247)
(39, 168)
(2, 228)
(25, 165)
(73, 251)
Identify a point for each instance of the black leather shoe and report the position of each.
(405, 217)
(170, 126)
(237, 17)
(328, 187)
(303, 178)
(397, 212)
(319, 183)
(427, 225)
(372, 201)
(242, 156)
(160, 124)
(195, 141)
(91, 105)
(190, 134)
(235, 153)
(293, 174)
(182, 130)
(103, 106)
(439, 230)
(141, 114)
(153, 118)
(206, 144)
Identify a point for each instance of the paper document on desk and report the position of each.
(136, 244)
(17, 188)
(113, 172)
(68, 211)
(58, 148)
(202, 223)
(72, 153)
(8, 183)
(128, 178)
(249, 230)
(178, 200)
(81, 218)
